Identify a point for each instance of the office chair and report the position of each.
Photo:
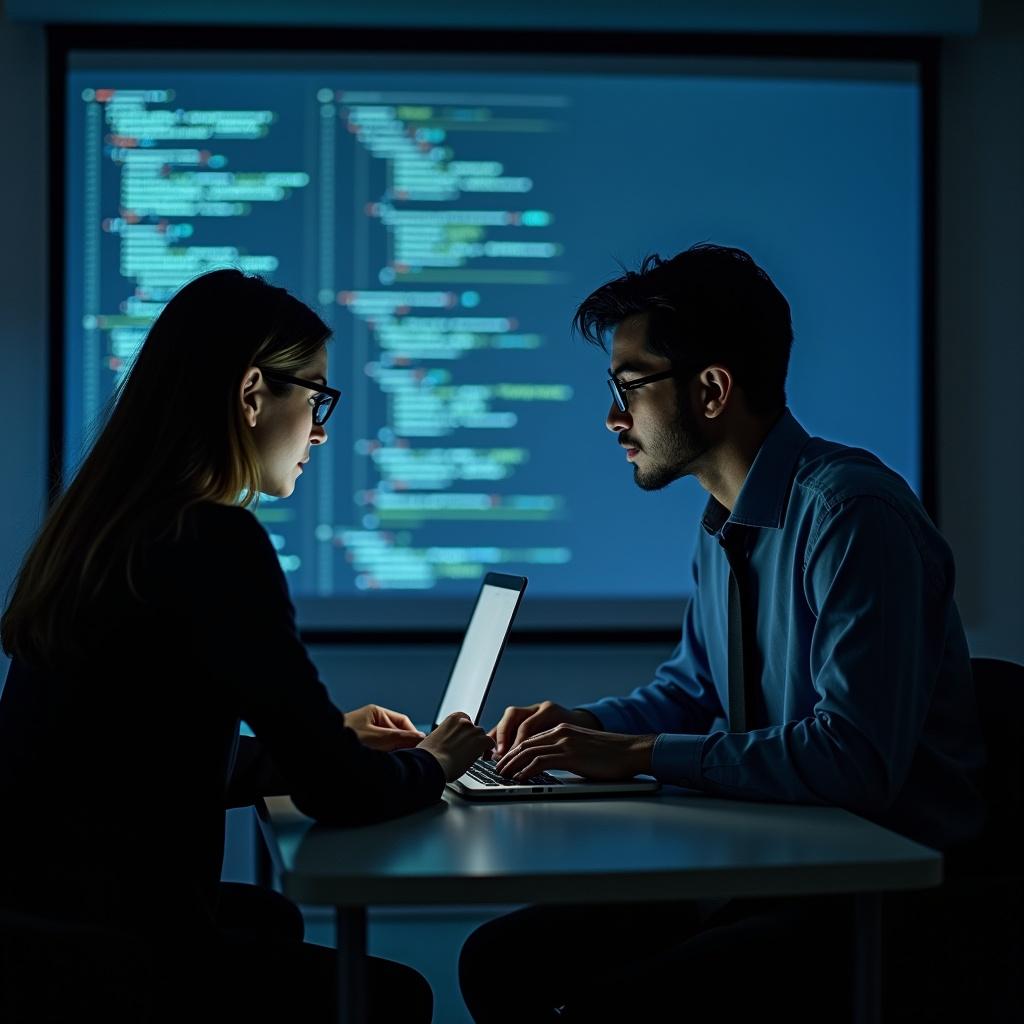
(65, 973)
(984, 890)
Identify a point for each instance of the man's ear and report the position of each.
(716, 391)
(251, 394)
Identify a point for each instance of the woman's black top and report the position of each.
(115, 773)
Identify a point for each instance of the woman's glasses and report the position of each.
(324, 398)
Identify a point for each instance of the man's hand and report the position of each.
(518, 724)
(382, 729)
(456, 743)
(607, 756)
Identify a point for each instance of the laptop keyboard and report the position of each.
(482, 770)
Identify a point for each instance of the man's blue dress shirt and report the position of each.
(862, 674)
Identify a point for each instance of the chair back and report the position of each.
(999, 686)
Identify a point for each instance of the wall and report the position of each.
(23, 276)
(893, 16)
(981, 325)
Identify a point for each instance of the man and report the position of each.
(822, 661)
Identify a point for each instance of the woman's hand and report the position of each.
(382, 729)
(457, 743)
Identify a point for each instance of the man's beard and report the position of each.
(671, 452)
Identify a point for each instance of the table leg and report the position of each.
(867, 964)
(351, 934)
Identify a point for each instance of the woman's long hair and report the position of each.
(174, 437)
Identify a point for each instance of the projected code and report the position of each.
(165, 184)
(426, 215)
(446, 214)
(428, 237)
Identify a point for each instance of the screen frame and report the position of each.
(921, 52)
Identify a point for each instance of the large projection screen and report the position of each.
(445, 214)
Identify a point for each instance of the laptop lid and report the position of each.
(486, 635)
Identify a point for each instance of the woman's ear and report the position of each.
(251, 394)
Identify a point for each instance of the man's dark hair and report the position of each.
(710, 304)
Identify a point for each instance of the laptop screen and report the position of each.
(481, 648)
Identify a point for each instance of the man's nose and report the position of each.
(617, 420)
(318, 434)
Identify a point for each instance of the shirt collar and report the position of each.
(762, 498)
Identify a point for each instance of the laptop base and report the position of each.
(570, 785)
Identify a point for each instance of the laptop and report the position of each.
(470, 680)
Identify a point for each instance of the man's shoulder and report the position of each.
(848, 488)
(829, 474)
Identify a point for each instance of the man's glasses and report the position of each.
(324, 400)
(618, 388)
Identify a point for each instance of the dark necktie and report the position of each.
(741, 717)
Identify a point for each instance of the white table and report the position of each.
(671, 845)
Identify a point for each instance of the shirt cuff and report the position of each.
(676, 758)
(610, 717)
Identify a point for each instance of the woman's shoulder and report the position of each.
(225, 545)
(209, 517)
(221, 532)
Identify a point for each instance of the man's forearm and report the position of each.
(586, 719)
(639, 749)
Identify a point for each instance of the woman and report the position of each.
(150, 616)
